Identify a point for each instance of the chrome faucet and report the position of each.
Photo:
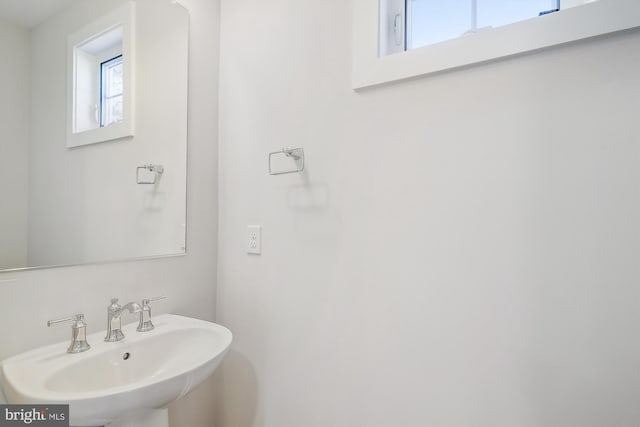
(114, 322)
(145, 324)
(78, 333)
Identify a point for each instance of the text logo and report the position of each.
(34, 415)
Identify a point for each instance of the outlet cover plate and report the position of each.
(254, 239)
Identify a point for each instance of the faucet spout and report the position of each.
(114, 323)
(132, 307)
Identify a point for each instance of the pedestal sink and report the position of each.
(122, 383)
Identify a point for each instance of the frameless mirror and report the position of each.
(78, 182)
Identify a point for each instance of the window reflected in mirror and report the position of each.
(101, 61)
(98, 79)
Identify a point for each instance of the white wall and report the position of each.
(462, 250)
(14, 134)
(86, 198)
(29, 298)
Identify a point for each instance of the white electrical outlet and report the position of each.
(254, 239)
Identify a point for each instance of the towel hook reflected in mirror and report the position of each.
(153, 175)
(297, 154)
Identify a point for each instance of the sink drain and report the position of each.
(126, 356)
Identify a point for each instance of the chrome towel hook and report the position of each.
(297, 154)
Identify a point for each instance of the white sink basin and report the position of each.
(145, 371)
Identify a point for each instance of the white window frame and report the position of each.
(371, 68)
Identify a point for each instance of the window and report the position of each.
(111, 93)
(400, 39)
(99, 94)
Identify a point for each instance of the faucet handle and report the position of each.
(145, 324)
(146, 301)
(75, 317)
(78, 332)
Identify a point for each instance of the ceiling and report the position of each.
(29, 13)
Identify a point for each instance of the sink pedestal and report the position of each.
(155, 418)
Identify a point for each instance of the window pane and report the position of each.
(112, 96)
(113, 110)
(114, 80)
(495, 13)
(433, 21)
